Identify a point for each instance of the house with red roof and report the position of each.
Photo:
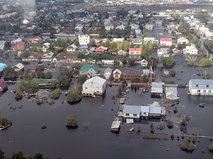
(19, 46)
(135, 53)
(101, 49)
(34, 41)
(3, 85)
(165, 42)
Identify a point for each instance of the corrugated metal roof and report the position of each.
(95, 79)
(201, 84)
(87, 67)
(155, 110)
(157, 87)
(132, 109)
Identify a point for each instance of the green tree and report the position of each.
(107, 44)
(48, 75)
(55, 94)
(25, 54)
(71, 121)
(18, 95)
(21, 86)
(131, 62)
(38, 156)
(172, 73)
(18, 155)
(168, 62)
(92, 43)
(2, 153)
(26, 75)
(77, 42)
(205, 62)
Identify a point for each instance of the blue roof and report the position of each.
(84, 47)
(131, 109)
(155, 110)
(2, 66)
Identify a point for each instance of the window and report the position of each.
(198, 91)
(144, 113)
(209, 91)
(127, 114)
(207, 86)
(85, 87)
(204, 91)
(134, 114)
(196, 85)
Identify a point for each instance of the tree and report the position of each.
(77, 42)
(120, 90)
(55, 94)
(131, 62)
(71, 121)
(92, 43)
(168, 62)
(172, 73)
(2, 153)
(205, 62)
(25, 54)
(38, 156)
(26, 76)
(18, 155)
(48, 75)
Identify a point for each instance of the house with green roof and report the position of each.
(90, 60)
(55, 59)
(89, 70)
(109, 26)
(59, 13)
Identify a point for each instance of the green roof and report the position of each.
(87, 67)
(90, 59)
(73, 66)
(109, 24)
(59, 13)
(43, 81)
(57, 58)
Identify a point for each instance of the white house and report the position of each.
(94, 86)
(147, 39)
(201, 87)
(84, 39)
(117, 74)
(144, 63)
(182, 40)
(191, 50)
(108, 62)
(71, 48)
(2, 45)
(121, 53)
(107, 73)
(18, 67)
(167, 42)
(161, 51)
(135, 52)
(45, 47)
(117, 39)
(121, 27)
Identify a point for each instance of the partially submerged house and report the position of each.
(18, 67)
(117, 74)
(94, 86)
(201, 87)
(157, 89)
(3, 85)
(108, 73)
(171, 92)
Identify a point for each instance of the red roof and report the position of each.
(102, 48)
(135, 49)
(3, 84)
(166, 39)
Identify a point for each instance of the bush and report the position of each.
(210, 148)
(71, 121)
(205, 62)
(43, 126)
(175, 110)
(74, 95)
(55, 94)
(18, 95)
(172, 73)
(4, 121)
(187, 146)
(170, 124)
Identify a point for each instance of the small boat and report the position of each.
(202, 105)
(132, 129)
(167, 149)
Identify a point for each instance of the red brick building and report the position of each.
(19, 46)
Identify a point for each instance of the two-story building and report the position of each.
(135, 53)
(94, 86)
(149, 26)
(190, 50)
(84, 39)
(19, 46)
(165, 42)
(182, 40)
(201, 87)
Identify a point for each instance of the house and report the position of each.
(149, 26)
(18, 67)
(157, 89)
(165, 42)
(75, 60)
(3, 85)
(121, 27)
(155, 111)
(132, 112)
(159, 23)
(165, 54)
(121, 53)
(101, 49)
(55, 59)
(175, 51)
(34, 41)
(171, 92)
(94, 86)
(2, 66)
(137, 41)
(161, 51)
(135, 52)
(201, 87)
(89, 70)
(182, 40)
(108, 62)
(107, 73)
(191, 50)
(19, 46)
(109, 26)
(90, 60)
(2, 45)
(147, 39)
(45, 47)
(84, 39)
(117, 39)
(144, 63)
(117, 74)
(71, 48)
(162, 13)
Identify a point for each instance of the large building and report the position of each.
(84, 39)
(201, 87)
(94, 86)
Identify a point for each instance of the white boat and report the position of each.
(132, 129)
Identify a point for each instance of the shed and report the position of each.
(157, 89)
(107, 73)
(18, 67)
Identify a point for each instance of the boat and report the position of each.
(132, 129)
(202, 105)
(167, 149)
